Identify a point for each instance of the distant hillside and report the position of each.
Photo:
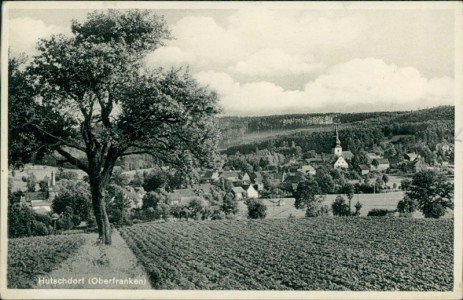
(243, 130)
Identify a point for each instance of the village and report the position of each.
(276, 184)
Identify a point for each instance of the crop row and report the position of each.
(297, 254)
(31, 257)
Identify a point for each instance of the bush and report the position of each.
(40, 228)
(340, 207)
(379, 212)
(46, 219)
(256, 209)
(69, 175)
(217, 213)
(407, 205)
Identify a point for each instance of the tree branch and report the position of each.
(73, 160)
(71, 145)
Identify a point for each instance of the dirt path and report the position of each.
(99, 267)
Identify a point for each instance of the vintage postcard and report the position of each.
(231, 150)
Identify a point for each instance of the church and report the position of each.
(340, 157)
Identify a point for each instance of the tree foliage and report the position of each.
(308, 196)
(75, 195)
(432, 192)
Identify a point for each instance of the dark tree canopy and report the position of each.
(432, 192)
(92, 100)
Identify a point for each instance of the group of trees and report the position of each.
(428, 192)
(310, 196)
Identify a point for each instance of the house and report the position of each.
(245, 178)
(411, 156)
(394, 162)
(210, 176)
(445, 147)
(41, 207)
(363, 169)
(316, 161)
(232, 176)
(182, 196)
(419, 165)
(340, 163)
(383, 164)
(258, 180)
(371, 156)
(239, 192)
(348, 155)
(36, 196)
(250, 191)
(307, 169)
(278, 177)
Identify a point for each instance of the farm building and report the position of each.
(239, 192)
(363, 169)
(411, 156)
(210, 176)
(307, 169)
(250, 191)
(182, 196)
(348, 155)
(232, 176)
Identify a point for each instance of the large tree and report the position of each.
(308, 195)
(95, 101)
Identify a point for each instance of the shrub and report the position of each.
(40, 228)
(256, 209)
(379, 212)
(407, 205)
(217, 213)
(340, 207)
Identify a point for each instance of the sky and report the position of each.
(265, 61)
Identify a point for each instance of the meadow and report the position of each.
(368, 201)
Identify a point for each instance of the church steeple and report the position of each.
(338, 142)
(337, 150)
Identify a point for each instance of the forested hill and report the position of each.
(296, 121)
(238, 135)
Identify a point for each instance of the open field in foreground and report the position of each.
(297, 254)
(37, 256)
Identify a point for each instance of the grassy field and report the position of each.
(297, 254)
(40, 173)
(260, 136)
(368, 201)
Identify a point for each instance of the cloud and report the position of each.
(276, 62)
(169, 57)
(261, 41)
(24, 34)
(357, 85)
(372, 82)
(207, 41)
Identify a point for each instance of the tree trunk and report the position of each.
(99, 210)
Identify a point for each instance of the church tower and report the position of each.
(337, 149)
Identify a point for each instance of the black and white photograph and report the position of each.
(231, 150)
